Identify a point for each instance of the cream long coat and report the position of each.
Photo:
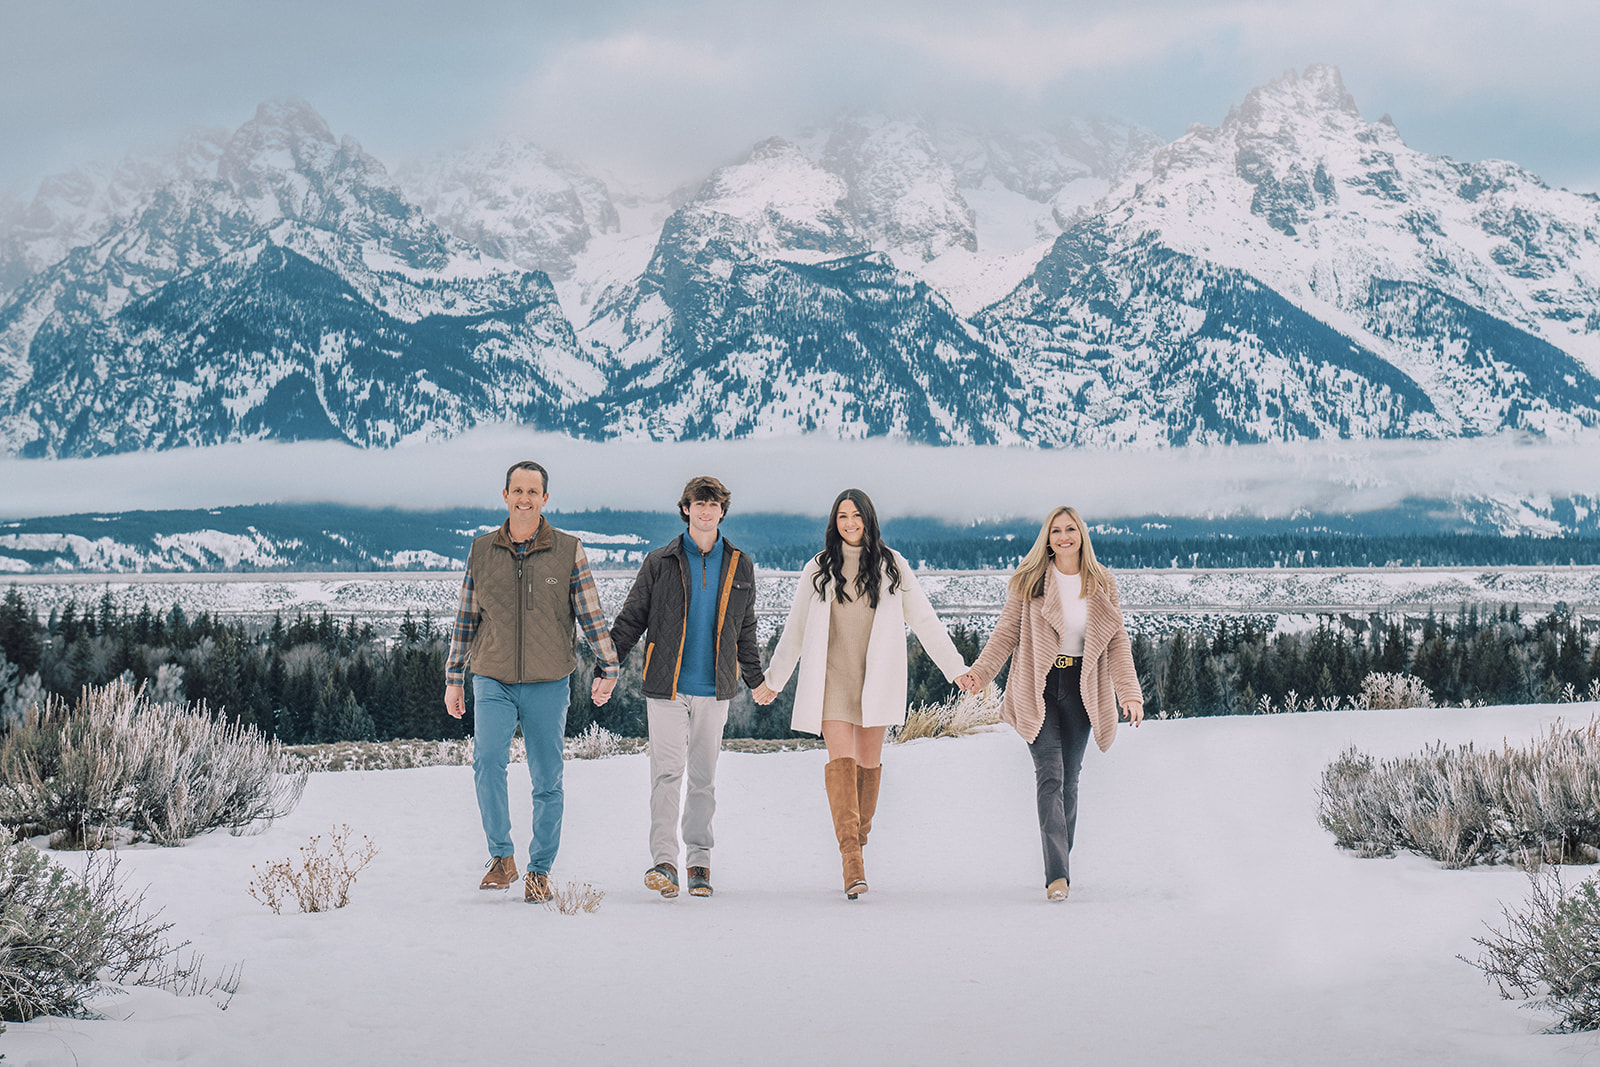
(883, 692)
(1029, 633)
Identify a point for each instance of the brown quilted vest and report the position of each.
(527, 630)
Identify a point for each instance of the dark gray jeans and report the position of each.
(1057, 759)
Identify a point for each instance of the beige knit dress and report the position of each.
(849, 627)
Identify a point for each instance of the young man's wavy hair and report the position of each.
(704, 487)
(1029, 579)
(877, 562)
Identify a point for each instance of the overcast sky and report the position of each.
(668, 90)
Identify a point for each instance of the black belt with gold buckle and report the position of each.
(1068, 661)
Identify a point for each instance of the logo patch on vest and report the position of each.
(549, 581)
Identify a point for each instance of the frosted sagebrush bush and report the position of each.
(1354, 805)
(1463, 805)
(1381, 690)
(595, 742)
(63, 939)
(316, 880)
(116, 760)
(1549, 952)
(957, 716)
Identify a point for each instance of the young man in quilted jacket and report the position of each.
(693, 603)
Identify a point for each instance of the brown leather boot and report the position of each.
(536, 888)
(867, 779)
(840, 778)
(502, 872)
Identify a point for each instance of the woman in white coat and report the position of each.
(846, 631)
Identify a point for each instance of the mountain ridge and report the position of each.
(1295, 272)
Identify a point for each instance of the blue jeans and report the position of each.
(541, 709)
(1057, 759)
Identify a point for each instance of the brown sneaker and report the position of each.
(699, 881)
(663, 878)
(536, 888)
(502, 872)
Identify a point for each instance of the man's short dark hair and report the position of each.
(528, 465)
(704, 487)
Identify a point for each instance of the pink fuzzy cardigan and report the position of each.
(1029, 633)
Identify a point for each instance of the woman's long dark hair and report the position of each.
(875, 555)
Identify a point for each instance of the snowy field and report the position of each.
(1211, 922)
(384, 597)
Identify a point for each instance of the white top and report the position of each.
(1074, 609)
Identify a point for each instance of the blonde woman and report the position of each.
(1071, 664)
(846, 631)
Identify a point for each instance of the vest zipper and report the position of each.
(521, 609)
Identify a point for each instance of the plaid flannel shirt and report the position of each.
(585, 605)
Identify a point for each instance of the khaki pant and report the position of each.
(685, 734)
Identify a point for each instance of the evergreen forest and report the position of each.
(315, 679)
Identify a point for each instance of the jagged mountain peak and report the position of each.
(791, 206)
(516, 201)
(903, 192)
(77, 207)
(1319, 91)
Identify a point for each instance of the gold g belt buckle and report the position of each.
(1068, 661)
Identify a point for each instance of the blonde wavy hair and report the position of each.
(1029, 580)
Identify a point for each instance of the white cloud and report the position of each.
(803, 475)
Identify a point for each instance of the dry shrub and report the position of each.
(64, 939)
(961, 714)
(386, 755)
(1380, 691)
(316, 881)
(114, 760)
(572, 897)
(1463, 805)
(1550, 952)
(595, 742)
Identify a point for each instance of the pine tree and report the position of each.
(1144, 665)
(1179, 688)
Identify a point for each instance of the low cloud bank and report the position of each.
(802, 475)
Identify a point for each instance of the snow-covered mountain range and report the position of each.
(1295, 272)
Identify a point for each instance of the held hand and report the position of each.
(968, 683)
(600, 690)
(763, 694)
(455, 700)
(1135, 710)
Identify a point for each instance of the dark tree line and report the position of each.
(1250, 550)
(310, 679)
(1483, 657)
(313, 678)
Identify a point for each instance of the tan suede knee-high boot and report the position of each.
(840, 777)
(867, 779)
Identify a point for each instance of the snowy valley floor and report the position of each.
(1211, 922)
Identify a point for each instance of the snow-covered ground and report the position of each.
(383, 597)
(1211, 922)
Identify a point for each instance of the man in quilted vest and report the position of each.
(526, 592)
(694, 605)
